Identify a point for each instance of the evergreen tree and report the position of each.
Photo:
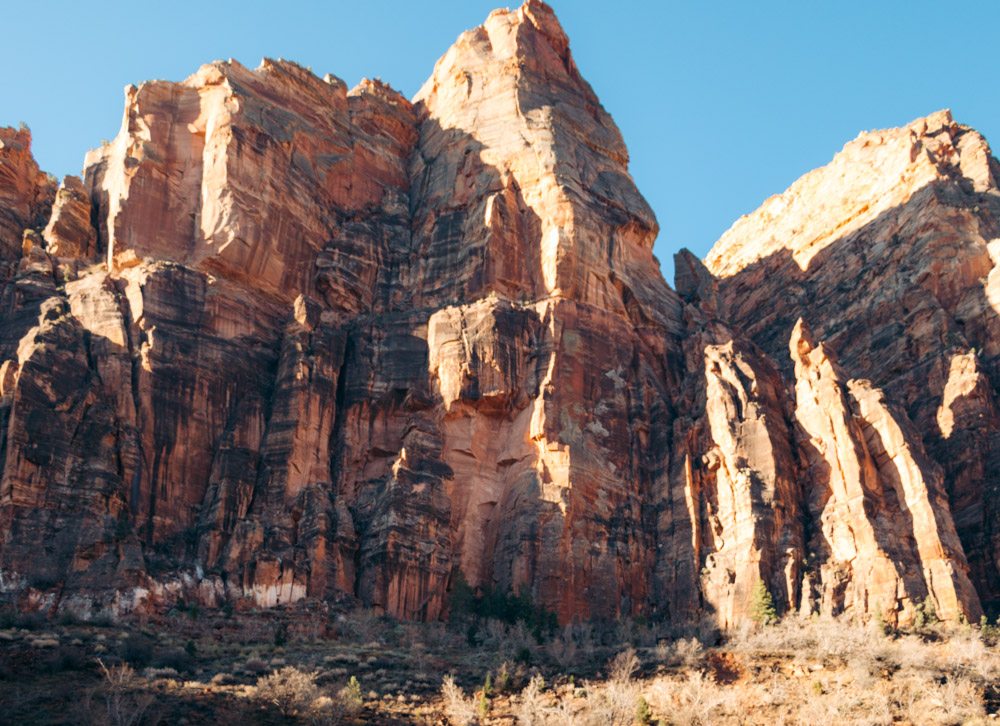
(762, 609)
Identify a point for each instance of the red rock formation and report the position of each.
(340, 345)
(883, 536)
(731, 515)
(886, 253)
(25, 192)
(69, 232)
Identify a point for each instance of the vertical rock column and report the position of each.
(883, 536)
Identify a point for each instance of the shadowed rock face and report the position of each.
(287, 340)
(888, 255)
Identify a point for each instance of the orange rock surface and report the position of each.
(289, 341)
(888, 254)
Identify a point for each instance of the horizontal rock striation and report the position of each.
(286, 341)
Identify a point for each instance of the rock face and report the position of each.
(69, 232)
(291, 341)
(25, 192)
(889, 254)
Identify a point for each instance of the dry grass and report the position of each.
(815, 672)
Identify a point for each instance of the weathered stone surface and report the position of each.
(884, 537)
(520, 183)
(253, 174)
(292, 341)
(25, 192)
(888, 253)
(69, 232)
(731, 514)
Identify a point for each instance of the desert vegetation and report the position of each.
(499, 661)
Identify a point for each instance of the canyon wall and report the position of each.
(286, 340)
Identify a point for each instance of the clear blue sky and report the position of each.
(721, 103)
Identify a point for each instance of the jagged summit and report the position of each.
(877, 171)
(286, 341)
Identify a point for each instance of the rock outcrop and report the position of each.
(883, 535)
(69, 232)
(26, 193)
(291, 341)
(888, 254)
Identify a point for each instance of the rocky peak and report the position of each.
(195, 151)
(874, 174)
(25, 192)
(504, 107)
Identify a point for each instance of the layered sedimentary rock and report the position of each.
(888, 254)
(25, 191)
(731, 514)
(883, 536)
(291, 341)
(69, 232)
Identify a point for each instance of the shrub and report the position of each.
(564, 650)
(615, 703)
(682, 652)
(67, 617)
(348, 701)
(878, 621)
(488, 686)
(137, 650)
(125, 703)
(483, 706)
(528, 706)
(990, 633)
(289, 690)
(503, 679)
(353, 689)
(925, 614)
(64, 658)
(177, 658)
(461, 711)
(642, 713)
(494, 604)
(26, 621)
(257, 665)
(359, 626)
(280, 635)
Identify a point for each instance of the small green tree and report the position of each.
(483, 707)
(503, 679)
(488, 687)
(878, 621)
(353, 689)
(925, 614)
(462, 599)
(642, 713)
(762, 609)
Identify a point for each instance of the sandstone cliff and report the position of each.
(290, 341)
(888, 254)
